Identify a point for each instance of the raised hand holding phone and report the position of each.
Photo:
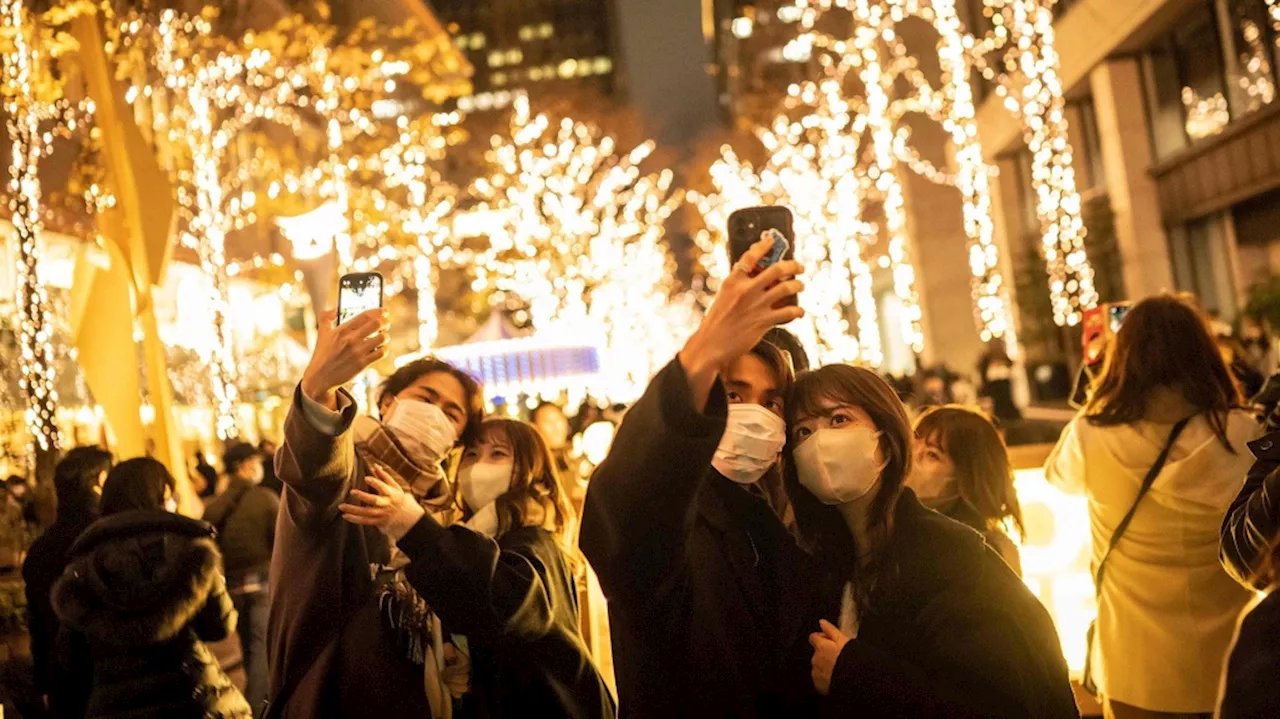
(344, 351)
(744, 309)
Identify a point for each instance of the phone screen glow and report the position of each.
(358, 295)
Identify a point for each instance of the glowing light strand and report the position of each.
(813, 168)
(1034, 92)
(23, 114)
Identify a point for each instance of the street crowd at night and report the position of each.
(465, 359)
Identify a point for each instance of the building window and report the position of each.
(1185, 83)
(527, 33)
(546, 30)
(1201, 264)
(1250, 42)
(515, 57)
(1090, 175)
(496, 59)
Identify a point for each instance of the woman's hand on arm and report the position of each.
(388, 507)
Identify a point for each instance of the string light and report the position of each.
(813, 169)
(24, 112)
(990, 295)
(1033, 91)
(575, 234)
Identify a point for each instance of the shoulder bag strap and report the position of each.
(1142, 492)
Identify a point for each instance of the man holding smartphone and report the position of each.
(332, 652)
(709, 594)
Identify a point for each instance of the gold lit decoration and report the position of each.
(217, 108)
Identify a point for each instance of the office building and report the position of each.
(540, 48)
(1175, 129)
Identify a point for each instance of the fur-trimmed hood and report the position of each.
(137, 578)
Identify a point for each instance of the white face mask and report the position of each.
(483, 482)
(933, 490)
(839, 465)
(424, 429)
(753, 437)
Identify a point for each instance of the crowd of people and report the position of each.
(774, 540)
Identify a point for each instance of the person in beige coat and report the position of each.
(1167, 609)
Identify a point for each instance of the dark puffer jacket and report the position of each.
(143, 592)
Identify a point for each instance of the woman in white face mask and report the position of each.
(961, 469)
(501, 578)
(923, 619)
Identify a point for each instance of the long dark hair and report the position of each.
(535, 483)
(136, 484)
(75, 481)
(822, 527)
(404, 377)
(1163, 343)
(984, 475)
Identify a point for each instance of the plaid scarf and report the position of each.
(417, 631)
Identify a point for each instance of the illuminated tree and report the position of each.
(35, 113)
(812, 168)
(574, 231)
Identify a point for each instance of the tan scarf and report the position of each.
(418, 632)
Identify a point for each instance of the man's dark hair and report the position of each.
(76, 476)
(404, 378)
(237, 454)
(789, 344)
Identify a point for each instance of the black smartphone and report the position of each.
(358, 292)
(748, 225)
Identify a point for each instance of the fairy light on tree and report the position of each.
(32, 100)
(1033, 91)
(575, 231)
(813, 168)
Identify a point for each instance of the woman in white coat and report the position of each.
(1167, 609)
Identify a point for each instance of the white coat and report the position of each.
(1167, 610)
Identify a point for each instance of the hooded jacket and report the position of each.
(1167, 609)
(144, 592)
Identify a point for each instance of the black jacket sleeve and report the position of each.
(72, 675)
(633, 524)
(217, 619)
(488, 590)
(871, 681)
(1253, 520)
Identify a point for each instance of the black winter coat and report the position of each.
(950, 632)
(144, 591)
(1253, 520)
(515, 601)
(710, 598)
(1249, 679)
(43, 566)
